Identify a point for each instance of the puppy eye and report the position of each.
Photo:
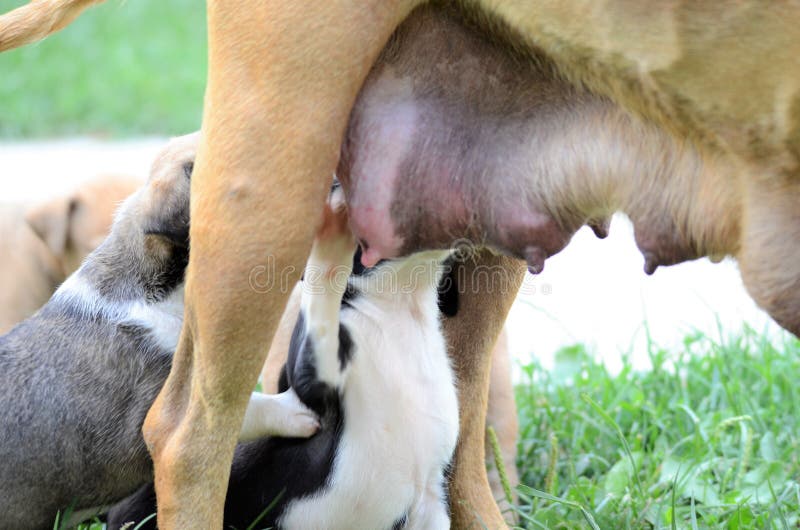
(187, 169)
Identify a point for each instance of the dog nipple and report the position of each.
(369, 256)
(535, 257)
(650, 263)
(600, 227)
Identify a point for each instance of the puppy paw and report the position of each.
(334, 243)
(293, 419)
(281, 415)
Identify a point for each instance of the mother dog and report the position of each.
(719, 81)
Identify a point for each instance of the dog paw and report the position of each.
(281, 415)
(293, 419)
(334, 243)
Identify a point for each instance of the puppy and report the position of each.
(502, 409)
(368, 355)
(77, 378)
(44, 243)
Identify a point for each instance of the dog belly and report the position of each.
(454, 138)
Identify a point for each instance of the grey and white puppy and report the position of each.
(78, 377)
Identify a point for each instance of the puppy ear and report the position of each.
(51, 222)
(159, 246)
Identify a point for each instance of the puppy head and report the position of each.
(146, 253)
(149, 242)
(74, 225)
(163, 207)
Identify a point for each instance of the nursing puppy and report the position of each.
(501, 413)
(368, 355)
(77, 378)
(43, 243)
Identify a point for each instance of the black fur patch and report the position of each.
(446, 475)
(400, 523)
(169, 276)
(301, 371)
(350, 294)
(358, 268)
(448, 289)
(345, 347)
(135, 509)
(188, 168)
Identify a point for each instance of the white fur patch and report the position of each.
(164, 319)
(401, 412)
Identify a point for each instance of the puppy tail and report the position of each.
(38, 19)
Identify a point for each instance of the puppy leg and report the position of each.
(282, 80)
(277, 415)
(431, 512)
(470, 336)
(324, 283)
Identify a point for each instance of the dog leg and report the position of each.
(277, 415)
(501, 415)
(431, 512)
(325, 281)
(282, 81)
(484, 303)
(769, 255)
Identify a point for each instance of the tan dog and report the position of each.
(45, 243)
(719, 81)
(501, 414)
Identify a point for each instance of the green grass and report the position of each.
(123, 68)
(706, 440)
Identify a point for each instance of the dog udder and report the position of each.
(370, 181)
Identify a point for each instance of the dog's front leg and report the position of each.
(282, 80)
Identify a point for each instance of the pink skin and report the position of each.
(370, 197)
(477, 145)
(425, 165)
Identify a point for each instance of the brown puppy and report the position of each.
(501, 413)
(721, 78)
(44, 243)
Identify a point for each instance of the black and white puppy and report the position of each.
(78, 377)
(369, 357)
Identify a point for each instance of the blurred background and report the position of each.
(103, 95)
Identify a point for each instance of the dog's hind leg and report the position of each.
(769, 254)
(471, 334)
